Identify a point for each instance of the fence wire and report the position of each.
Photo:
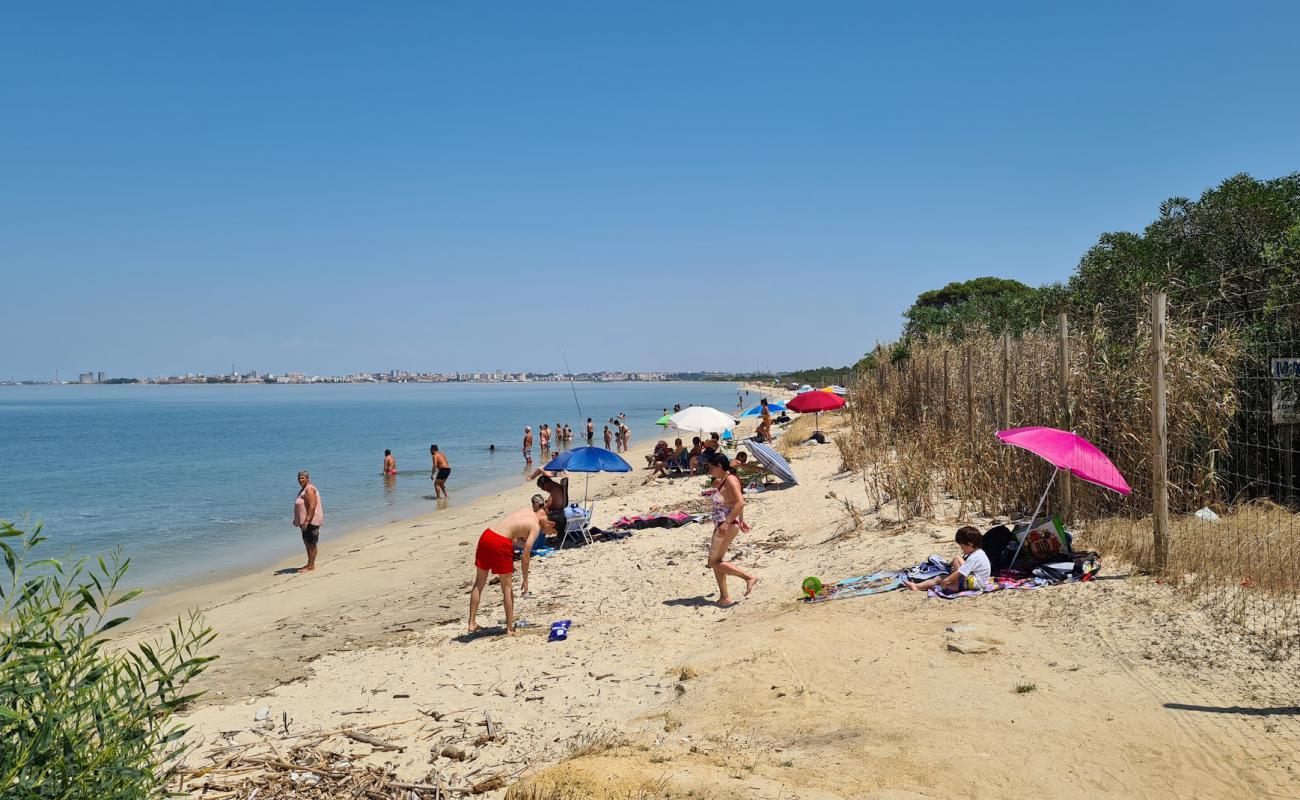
(923, 424)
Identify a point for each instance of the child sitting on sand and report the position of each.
(970, 570)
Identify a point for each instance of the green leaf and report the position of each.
(112, 623)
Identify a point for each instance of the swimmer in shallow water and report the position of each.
(390, 463)
(441, 469)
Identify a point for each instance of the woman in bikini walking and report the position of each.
(728, 522)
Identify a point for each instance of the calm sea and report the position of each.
(191, 480)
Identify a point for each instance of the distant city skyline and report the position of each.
(649, 187)
(365, 376)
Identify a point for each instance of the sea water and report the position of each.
(196, 479)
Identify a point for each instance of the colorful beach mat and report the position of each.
(860, 586)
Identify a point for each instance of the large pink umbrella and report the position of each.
(1067, 452)
(815, 402)
(1070, 452)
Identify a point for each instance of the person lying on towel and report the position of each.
(970, 570)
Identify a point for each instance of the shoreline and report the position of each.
(247, 567)
(246, 605)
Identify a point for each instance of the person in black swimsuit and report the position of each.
(441, 469)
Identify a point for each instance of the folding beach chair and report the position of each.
(579, 526)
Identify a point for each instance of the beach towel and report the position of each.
(674, 520)
(860, 586)
(997, 584)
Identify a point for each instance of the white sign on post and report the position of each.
(1286, 391)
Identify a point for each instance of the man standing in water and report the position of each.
(591, 431)
(441, 469)
(390, 464)
(528, 445)
(496, 555)
(308, 515)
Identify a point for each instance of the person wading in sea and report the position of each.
(528, 445)
(496, 555)
(308, 515)
(441, 469)
(390, 464)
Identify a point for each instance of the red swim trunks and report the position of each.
(495, 553)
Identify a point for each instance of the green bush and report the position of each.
(80, 718)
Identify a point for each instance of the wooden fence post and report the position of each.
(1063, 388)
(1159, 435)
(970, 399)
(947, 406)
(1006, 379)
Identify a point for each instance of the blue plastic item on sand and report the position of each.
(559, 630)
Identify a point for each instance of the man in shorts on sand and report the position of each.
(496, 555)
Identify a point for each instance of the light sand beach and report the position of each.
(1103, 689)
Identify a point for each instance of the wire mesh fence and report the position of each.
(922, 427)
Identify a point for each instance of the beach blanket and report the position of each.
(674, 520)
(999, 583)
(859, 587)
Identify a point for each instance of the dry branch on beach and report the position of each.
(309, 769)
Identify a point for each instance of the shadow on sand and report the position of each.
(481, 633)
(694, 602)
(1277, 711)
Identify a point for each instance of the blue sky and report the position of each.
(330, 187)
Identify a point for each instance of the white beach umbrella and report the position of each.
(702, 419)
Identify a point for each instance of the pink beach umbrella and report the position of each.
(1069, 452)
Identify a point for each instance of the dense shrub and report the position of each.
(79, 717)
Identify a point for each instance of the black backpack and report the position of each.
(1000, 547)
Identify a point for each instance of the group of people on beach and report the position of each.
(494, 554)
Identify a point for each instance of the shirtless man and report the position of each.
(544, 433)
(441, 469)
(528, 445)
(390, 464)
(496, 555)
(591, 431)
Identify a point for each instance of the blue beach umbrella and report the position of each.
(757, 411)
(588, 460)
(771, 459)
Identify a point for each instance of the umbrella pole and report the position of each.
(1041, 501)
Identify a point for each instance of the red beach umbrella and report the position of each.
(815, 402)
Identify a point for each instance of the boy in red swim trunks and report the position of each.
(496, 555)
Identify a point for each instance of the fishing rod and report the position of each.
(571, 384)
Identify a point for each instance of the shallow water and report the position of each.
(196, 479)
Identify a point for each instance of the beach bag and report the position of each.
(1000, 547)
(1081, 567)
(1047, 541)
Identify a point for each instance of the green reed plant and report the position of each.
(80, 717)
